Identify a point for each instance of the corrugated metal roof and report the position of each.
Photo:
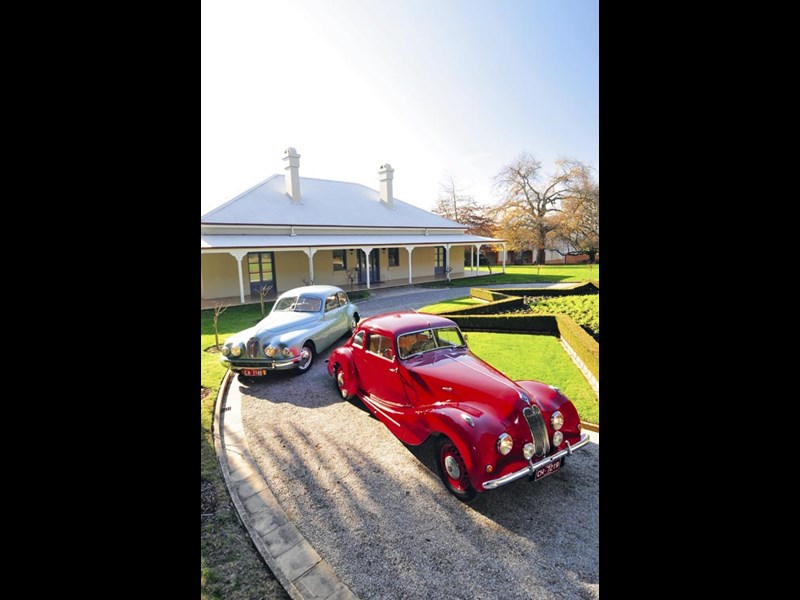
(338, 241)
(323, 202)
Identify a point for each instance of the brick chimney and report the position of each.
(386, 174)
(292, 169)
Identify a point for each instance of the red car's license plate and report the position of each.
(254, 372)
(546, 470)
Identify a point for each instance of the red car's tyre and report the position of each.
(452, 470)
(340, 378)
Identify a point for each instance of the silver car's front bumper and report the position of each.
(533, 466)
(272, 365)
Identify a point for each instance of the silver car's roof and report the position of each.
(313, 290)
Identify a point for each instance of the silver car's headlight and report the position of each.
(557, 420)
(558, 437)
(287, 352)
(237, 350)
(504, 443)
(528, 450)
(270, 350)
(226, 351)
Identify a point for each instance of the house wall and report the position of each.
(218, 276)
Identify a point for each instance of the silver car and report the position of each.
(303, 322)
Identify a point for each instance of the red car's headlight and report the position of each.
(504, 443)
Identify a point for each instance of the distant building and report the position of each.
(291, 230)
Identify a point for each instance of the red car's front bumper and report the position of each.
(533, 466)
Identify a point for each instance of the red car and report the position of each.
(416, 374)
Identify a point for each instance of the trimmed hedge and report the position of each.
(590, 287)
(515, 323)
(584, 344)
(488, 294)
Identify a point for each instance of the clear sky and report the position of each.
(430, 86)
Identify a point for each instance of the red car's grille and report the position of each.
(533, 416)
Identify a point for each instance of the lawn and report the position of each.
(230, 566)
(541, 358)
(524, 274)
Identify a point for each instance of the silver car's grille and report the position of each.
(252, 348)
(533, 416)
(249, 363)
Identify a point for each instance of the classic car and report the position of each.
(415, 373)
(303, 322)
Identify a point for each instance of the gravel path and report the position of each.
(376, 510)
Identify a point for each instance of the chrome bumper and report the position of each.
(532, 466)
(274, 365)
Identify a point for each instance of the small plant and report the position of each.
(309, 281)
(219, 308)
(351, 275)
(447, 270)
(262, 293)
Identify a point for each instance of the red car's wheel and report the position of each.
(341, 381)
(453, 470)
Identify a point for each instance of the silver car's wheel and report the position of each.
(306, 358)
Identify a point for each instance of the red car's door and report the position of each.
(382, 388)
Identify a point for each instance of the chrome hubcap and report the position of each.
(451, 465)
(305, 359)
(340, 381)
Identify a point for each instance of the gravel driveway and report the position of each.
(376, 510)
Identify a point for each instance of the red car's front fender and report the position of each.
(343, 359)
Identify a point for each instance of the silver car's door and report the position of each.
(335, 319)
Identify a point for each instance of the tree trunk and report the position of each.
(539, 256)
(591, 254)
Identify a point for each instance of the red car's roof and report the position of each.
(404, 321)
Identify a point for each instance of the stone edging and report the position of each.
(593, 382)
(296, 565)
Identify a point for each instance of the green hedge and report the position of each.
(488, 295)
(584, 345)
(541, 324)
(507, 303)
(590, 287)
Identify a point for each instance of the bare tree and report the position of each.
(580, 223)
(219, 308)
(262, 293)
(529, 212)
(462, 208)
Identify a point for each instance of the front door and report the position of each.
(438, 268)
(374, 267)
(261, 270)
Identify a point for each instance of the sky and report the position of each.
(436, 88)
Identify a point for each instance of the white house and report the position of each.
(289, 231)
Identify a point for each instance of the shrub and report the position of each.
(515, 323)
(581, 342)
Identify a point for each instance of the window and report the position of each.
(394, 257)
(339, 260)
(439, 257)
(358, 341)
(260, 270)
(331, 302)
(380, 345)
(343, 299)
(448, 336)
(415, 343)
